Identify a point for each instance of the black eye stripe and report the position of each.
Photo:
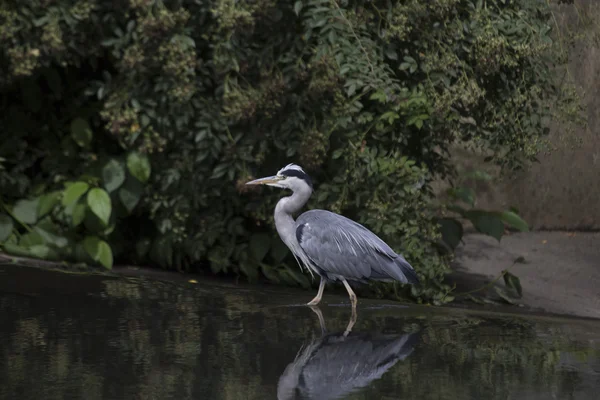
(299, 175)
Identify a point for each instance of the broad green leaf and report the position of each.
(139, 166)
(505, 296)
(26, 211)
(98, 250)
(447, 299)
(474, 299)
(113, 175)
(93, 224)
(337, 154)
(299, 277)
(298, 7)
(478, 175)
(80, 255)
(351, 89)
(269, 273)
(36, 251)
(49, 235)
(485, 222)
(81, 132)
(47, 203)
(130, 193)
(16, 250)
(73, 192)
(512, 219)
(259, 245)
(465, 194)
(250, 270)
(487, 300)
(452, 231)
(31, 239)
(513, 282)
(379, 95)
(391, 53)
(6, 227)
(286, 277)
(99, 202)
(44, 252)
(78, 214)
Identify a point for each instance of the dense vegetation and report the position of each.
(130, 127)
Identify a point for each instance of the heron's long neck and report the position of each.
(286, 207)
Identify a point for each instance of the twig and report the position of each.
(355, 35)
(492, 282)
(14, 217)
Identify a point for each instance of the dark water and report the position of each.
(67, 336)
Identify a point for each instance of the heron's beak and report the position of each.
(265, 181)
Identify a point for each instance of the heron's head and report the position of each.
(291, 176)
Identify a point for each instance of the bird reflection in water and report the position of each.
(340, 363)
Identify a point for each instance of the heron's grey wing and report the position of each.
(342, 247)
(342, 365)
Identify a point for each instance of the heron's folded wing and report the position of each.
(343, 247)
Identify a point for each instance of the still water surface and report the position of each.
(65, 336)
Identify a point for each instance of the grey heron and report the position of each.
(328, 244)
(339, 364)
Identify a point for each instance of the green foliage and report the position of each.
(113, 175)
(99, 250)
(81, 132)
(513, 283)
(99, 203)
(6, 227)
(490, 222)
(75, 222)
(139, 166)
(155, 113)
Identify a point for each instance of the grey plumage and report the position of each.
(336, 365)
(340, 247)
(331, 245)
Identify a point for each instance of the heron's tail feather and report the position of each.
(407, 270)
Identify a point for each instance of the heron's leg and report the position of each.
(319, 295)
(317, 311)
(354, 301)
(353, 298)
(351, 322)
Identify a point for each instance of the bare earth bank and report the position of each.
(560, 274)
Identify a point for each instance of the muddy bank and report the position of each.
(560, 273)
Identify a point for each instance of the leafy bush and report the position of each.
(489, 222)
(134, 124)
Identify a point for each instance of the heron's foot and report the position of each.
(319, 295)
(314, 302)
(352, 321)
